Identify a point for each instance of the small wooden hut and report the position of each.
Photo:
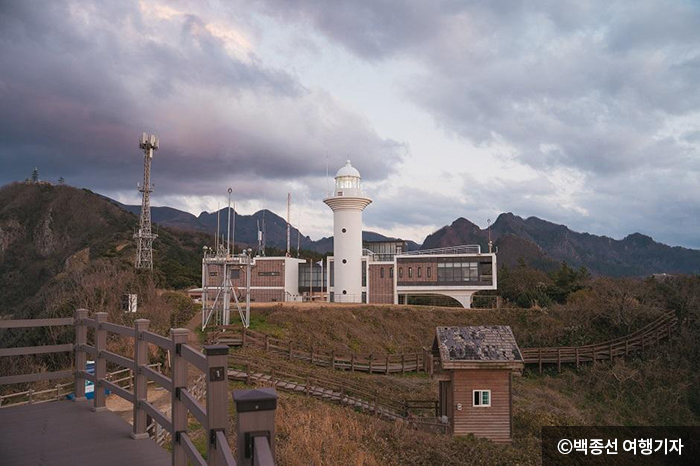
(475, 367)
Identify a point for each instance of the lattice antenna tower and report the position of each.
(144, 237)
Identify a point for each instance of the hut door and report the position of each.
(445, 402)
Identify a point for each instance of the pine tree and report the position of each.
(61, 181)
(35, 175)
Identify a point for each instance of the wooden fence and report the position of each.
(213, 364)
(418, 361)
(422, 414)
(641, 340)
(423, 361)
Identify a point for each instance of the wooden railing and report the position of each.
(344, 392)
(641, 340)
(212, 363)
(418, 361)
(122, 377)
(423, 361)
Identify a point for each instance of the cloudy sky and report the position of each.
(580, 112)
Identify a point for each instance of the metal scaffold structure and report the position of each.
(144, 236)
(220, 269)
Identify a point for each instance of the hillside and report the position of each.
(50, 233)
(659, 388)
(543, 244)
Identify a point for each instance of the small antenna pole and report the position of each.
(490, 242)
(218, 208)
(289, 206)
(228, 224)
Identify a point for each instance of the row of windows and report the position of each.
(268, 274)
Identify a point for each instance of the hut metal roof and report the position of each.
(482, 344)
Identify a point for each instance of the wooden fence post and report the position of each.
(80, 356)
(178, 415)
(539, 353)
(308, 385)
(610, 351)
(417, 363)
(370, 363)
(267, 342)
(333, 359)
(312, 353)
(559, 360)
(217, 402)
(430, 364)
(387, 364)
(577, 358)
(594, 356)
(243, 337)
(352, 362)
(425, 360)
(100, 362)
(140, 380)
(403, 364)
(255, 418)
(290, 350)
(247, 373)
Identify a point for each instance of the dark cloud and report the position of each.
(81, 80)
(607, 89)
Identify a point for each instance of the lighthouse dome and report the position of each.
(348, 170)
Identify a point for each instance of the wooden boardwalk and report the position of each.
(66, 433)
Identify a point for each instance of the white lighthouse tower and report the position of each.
(347, 201)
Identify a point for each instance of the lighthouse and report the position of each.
(347, 202)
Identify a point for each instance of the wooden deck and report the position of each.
(70, 433)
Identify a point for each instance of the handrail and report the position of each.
(223, 450)
(44, 349)
(193, 406)
(213, 363)
(157, 340)
(157, 377)
(29, 323)
(119, 329)
(117, 359)
(262, 455)
(191, 451)
(194, 357)
(158, 416)
(461, 249)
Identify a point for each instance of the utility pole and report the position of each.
(289, 206)
(144, 237)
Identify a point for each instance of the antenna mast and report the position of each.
(490, 242)
(289, 206)
(144, 237)
(228, 225)
(299, 234)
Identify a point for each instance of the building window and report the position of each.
(364, 297)
(381, 272)
(391, 272)
(332, 297)
(268, 274)
(418, 272)
(410, 272)
(400, 272)
(213, 274)
(482, 397)
(235, 274)
(458, 272)
(428, 271)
